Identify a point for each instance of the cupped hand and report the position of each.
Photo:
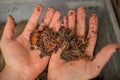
(17, 52)
(81, 69)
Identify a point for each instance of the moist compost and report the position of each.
(49, 41)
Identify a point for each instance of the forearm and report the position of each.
(12, 74)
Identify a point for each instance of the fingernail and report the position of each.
(93, 14)
(39, 7)
(11, 19)
(51, 8)
(71, 13)
(82, 9)
(10, 16)
(117, 49)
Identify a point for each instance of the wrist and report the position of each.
(10, 73)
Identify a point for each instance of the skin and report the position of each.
(22, 63)
(65, 22)
(81, 69)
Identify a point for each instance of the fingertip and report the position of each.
(81, 9)
(51, 9)
(48, 16)
(39, 7)
(10, 19)
(71, 19)
(71, 12)
(9, 28)
(111, 48)
(93, 19)
(58, 15)
(55, 17)
(93, 14)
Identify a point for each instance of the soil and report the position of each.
(48, 42)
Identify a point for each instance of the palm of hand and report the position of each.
(24, 57)
(74, 70)
(17, 52)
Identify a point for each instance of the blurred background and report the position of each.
(108, 12)
(116, 6)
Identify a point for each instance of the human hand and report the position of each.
(19, 58)
(81, 69)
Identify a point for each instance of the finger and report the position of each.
(81, 19)
(55, 17)
(92, 34)
(71, 19)
(65, 22)
(33, 22)
(42, 24)
(103, 56)
(57, 26)
(9, 29)
(48, 16)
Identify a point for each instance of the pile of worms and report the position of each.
(49, 41)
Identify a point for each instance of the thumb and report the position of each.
(9, 29)
(104, 55)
